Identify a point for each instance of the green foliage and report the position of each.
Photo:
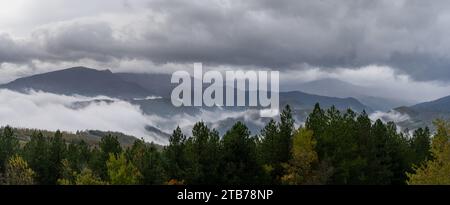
(78, 155)
(304, 167)
(436, 170)
(87, 177)
(175, 154)
(203, 156)
(108, 145)
(148, 161)
(286, 128)
(360, 152)
(67, 174)
(239, 160)
(36, 152)
(18, 172)
(274, 148)
(57, 152)
(420, 144)
(8, 146)
(268, 152)
(121, 171)
(45, 156)
(334, 147)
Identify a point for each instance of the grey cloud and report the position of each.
(410, 36)
(77, 41)
(14, 51)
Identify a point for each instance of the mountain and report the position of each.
(80, 80)
(381, 103)
(135, 88)
(439, 105)
(337, 88)
(157, 84)
(423, 114)
(332, 87)
(151, 92)
(307, 101)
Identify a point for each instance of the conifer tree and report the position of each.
(239, 160)
(304, 167)
(436, 170)
(9, 145)
(175, 154)
(121, 171)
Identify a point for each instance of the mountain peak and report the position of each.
(80, 80)
(77, 68)
(85, 69)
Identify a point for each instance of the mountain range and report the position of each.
(151, 92)
(137, 87)
(337, 88)
(423, 114)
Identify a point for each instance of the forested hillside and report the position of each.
(332, 147)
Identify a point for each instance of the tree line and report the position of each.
(332, 147)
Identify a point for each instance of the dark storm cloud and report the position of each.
(76, 41)
(410, 36)
(14, 51)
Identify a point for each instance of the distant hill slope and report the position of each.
(304, 100)
(337, 88)
(89, 82)
(92, 137)
(79, 80)
(423, 114)
(439, 105)
(157, 84)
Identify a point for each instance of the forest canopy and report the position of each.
(332, 147)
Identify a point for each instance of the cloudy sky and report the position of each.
(399, 47)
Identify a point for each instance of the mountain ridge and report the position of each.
(79, 80)
(87, 81)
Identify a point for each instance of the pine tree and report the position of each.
(176, 156)
(9, 145)
(121, 171)
(57, 152)
(365, 145)
(304, 167)
(148, 161)
(317, 121)
(421, 145)
(203, 154)
(268, 150)
(286, 127)
(108, 145)
(37, 154)
(67, 176)
(240, 165)
(276, 144)
(399, 150)
(379, 160)
(78, 155)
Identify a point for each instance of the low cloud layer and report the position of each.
(391, 116)
(52, 112)
(49, 111)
